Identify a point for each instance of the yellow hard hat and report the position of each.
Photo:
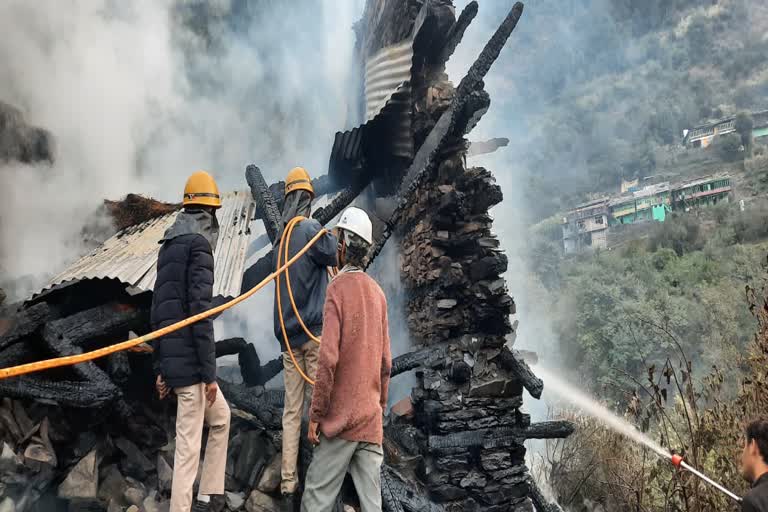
(201, 190)
(298, 179)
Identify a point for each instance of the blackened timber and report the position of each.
(559, 429)
(399, 494)
(266, 205)
(25, 323)
(499, 437)
(63, 346)
(418, 358)
(88, 325)
(515, 364)
(230, 346)
(469, 84)
(456, 33)
(253, 373)
(444, 130)
(266, 406)
(257, 272)
(340, 202)
(538, 499)
(64, 393)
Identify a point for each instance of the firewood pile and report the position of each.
(94, 437)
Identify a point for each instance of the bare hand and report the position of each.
(314, 433)
(162, 388)
(211, 390)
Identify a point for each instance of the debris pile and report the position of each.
(136, 209)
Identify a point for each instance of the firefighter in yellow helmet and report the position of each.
(185, 361)
(309, 280)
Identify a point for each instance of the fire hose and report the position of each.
(284, 255)
(679, 463)
(23, 369)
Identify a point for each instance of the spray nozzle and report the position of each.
(676, 460)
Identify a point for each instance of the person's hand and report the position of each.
(211, 390)
(162, 388)
(314, 433)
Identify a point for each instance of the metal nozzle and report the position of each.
(679, 463)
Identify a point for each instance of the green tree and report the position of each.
(728, 147)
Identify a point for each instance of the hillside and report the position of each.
(604, 86)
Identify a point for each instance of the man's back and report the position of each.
(309, 280)
(756, 500)
(355, 360)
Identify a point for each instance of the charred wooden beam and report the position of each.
(456, 33)
(266, 405)
(25, 322)
(266, 205)
(327, 213)
(467, 97)
(61, 392)
(515, 364)
(88, 371)
(500, 437)
(99, 322)
(559, 429)
(538, 499)
(254, 374)
(230, 346)
(401, 495)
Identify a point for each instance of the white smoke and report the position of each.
(136, 100)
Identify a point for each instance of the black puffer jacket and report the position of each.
(184, 288)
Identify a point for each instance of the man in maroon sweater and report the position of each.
(352, 380)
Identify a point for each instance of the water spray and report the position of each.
(620, 425)
(679, 463)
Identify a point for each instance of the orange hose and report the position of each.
(288, 230)
(24, 369)
(287, 236)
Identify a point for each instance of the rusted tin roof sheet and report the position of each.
(130, 256)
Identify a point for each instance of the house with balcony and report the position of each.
(702, 136)
(701, 192)
(586, 226)
(651, 202)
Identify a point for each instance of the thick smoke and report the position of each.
(139, 94)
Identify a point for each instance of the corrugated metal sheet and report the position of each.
(131, 255)
(388, 105)
(387, 72)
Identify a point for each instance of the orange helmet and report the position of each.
(201, 190)
(298, 179)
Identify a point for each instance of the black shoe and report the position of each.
(289, 502)
(201, 506)
(216, 504)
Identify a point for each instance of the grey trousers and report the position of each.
(331, 459)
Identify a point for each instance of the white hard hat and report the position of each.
(357, 221)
